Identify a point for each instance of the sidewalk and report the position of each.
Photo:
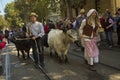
(21, 69)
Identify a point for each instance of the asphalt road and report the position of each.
(76, 69)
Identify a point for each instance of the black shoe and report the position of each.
(82, 49)
(36, 65)
(42, 65)
(91, 67)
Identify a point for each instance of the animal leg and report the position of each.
(65, 56)
(56, 54)
(28, 55)
(23, 54)
(18, 54)
(60, 57)
(51, 54)
(66, 59)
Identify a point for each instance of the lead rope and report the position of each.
(37, 51)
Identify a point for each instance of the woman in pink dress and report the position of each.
(88, 32)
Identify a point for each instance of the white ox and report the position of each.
(59, 41)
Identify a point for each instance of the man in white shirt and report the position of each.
(35, 29)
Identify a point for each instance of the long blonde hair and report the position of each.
(95, 20)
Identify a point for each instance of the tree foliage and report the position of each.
(3, 22)
(18, 11)
(41, 7)
(12, 15)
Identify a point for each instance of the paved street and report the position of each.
(34, 23)
(76, 69)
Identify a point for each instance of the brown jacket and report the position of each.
(88, 30)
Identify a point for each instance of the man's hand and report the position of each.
(81, 36)
(34, 37)
(107, 27)
(27, 35)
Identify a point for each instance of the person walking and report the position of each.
(35, 30)
(88, 31)
(79, 19)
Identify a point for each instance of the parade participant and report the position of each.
(2, 45)
(88, 33)
(67, 25)
(79, 19)
(35, 29)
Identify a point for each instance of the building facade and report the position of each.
(102, 5)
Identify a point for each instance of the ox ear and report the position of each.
(64, 29)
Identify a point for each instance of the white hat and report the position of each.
(90, 12)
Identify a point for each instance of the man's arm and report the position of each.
(41, 30)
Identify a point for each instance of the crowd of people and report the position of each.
(91, 28)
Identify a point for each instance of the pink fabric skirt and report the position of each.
(91, 47)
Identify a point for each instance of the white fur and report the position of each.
(60, 41)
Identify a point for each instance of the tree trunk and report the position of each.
(69, 9)
(76, 11)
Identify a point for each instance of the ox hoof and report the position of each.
(23, 57)
(67, 62)
(60, 60)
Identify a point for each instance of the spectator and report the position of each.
(101, 30)
(7, 35)
(2, 45)
(109, 29)
(118, 32)
(46, 28)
